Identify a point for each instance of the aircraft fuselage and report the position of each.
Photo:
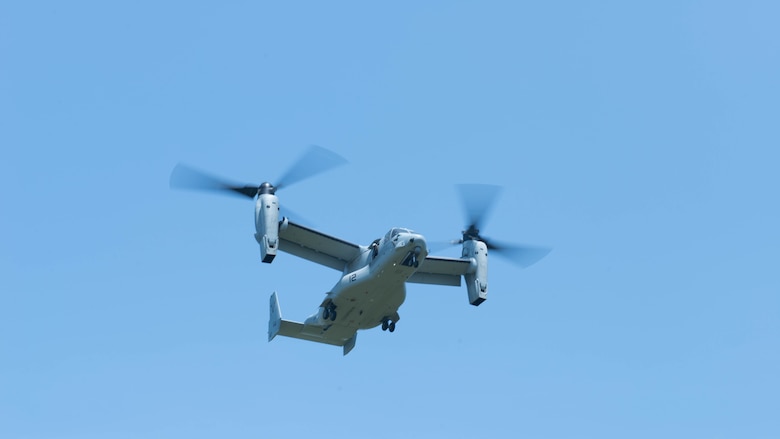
(371, 294)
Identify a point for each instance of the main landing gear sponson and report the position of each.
(388, 324)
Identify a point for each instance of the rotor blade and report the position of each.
(522, 255)
(184, 177)
(477, 199)
(314, 161)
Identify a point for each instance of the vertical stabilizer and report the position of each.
(275, 320)
(349, 344)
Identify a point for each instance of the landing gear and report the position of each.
(388, 325)
(329, 312)
(412, 258)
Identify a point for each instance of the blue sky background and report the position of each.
(638, 139)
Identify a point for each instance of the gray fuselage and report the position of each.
(373, 291)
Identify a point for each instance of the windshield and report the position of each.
(395, 231)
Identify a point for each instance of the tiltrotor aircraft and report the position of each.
(373, 278)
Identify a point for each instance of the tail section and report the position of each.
(332, 334)
(350, 344)
(275, 322)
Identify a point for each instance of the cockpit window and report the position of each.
(395, 231)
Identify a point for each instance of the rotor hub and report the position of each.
(472, 233)
(266, 188)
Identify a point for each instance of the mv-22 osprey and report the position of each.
(373, 278)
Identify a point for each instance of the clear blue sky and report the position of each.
(638, 139)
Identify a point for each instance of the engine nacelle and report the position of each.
(267, 225)
(476, 281)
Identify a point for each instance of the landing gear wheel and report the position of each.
(388, 324)
(329, 312)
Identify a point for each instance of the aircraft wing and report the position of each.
(316, 246)
(441, 271)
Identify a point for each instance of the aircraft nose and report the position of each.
(416, 240)
(414, 250)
